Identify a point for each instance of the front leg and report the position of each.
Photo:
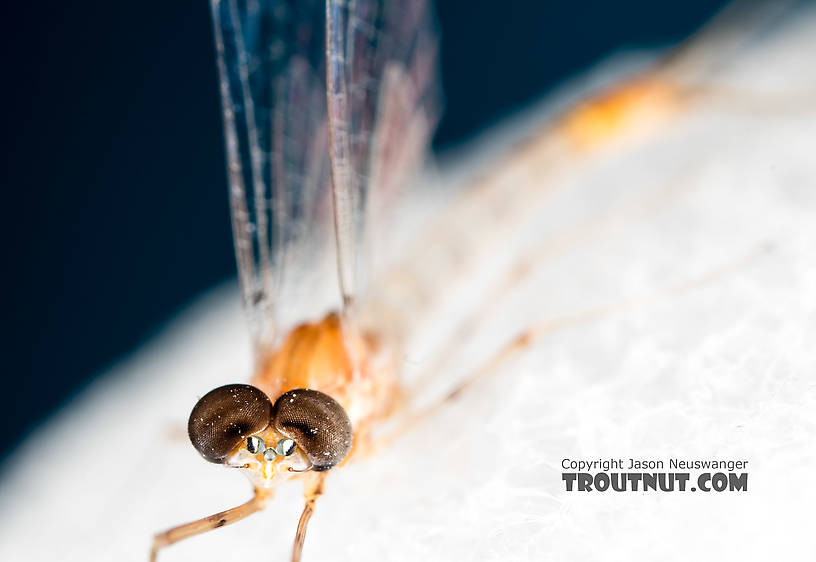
(221, 519)
(312, 489)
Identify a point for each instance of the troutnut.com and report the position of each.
(650, 475)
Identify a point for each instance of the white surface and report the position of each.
(725, 370)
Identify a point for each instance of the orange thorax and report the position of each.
(312, 356)
(350, 367)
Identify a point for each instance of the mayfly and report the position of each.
(627, 188)
(326, 108)
(325, 112)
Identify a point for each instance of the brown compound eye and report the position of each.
(224, 417)
(318, 425)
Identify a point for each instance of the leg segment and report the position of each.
(216, 521)
(313, 488)
(533, 333)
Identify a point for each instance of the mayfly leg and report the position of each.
(312, 489)
(216, 521)
(615, 219)
(526, 337)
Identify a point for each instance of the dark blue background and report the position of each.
(114, 194)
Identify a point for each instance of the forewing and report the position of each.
(302, 80)
(383, 104)
(272, 80)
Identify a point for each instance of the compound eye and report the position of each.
(224, 417)
(316, 423)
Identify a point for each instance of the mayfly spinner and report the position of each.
(326, 108)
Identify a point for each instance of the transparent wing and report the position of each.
(383, 105)
(272, 79)
(293, 233)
